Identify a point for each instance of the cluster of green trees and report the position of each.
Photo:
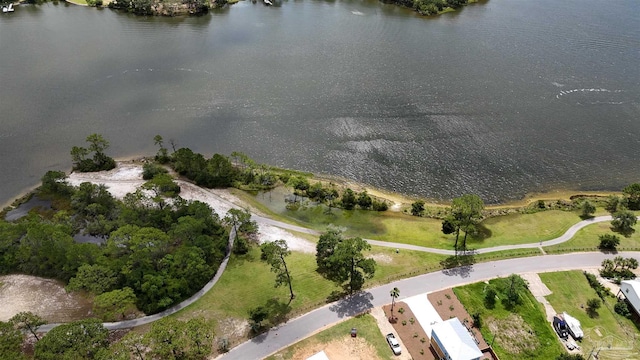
(466, 214)
(430, 7)
(239, 171)
(330, 196)
(619, 268)
(89, 339)
(621, 209)
(158, 7)
(156, 252)
(98, 161)
(342, 261)
(509, 290)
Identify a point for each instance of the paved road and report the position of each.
(303, 326)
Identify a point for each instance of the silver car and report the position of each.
(393, 342)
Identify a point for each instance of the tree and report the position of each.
(257, 315)
(95, 279)
(10, 341)
(55, 182)
(274, 254)
(326, 247)
(115, 305)
(417, 208)
(348, 199)
(614, 204)
(623, 222)
(592, 307)
(608, 242)
(512, 288)
(28, 321)
(632, 193)
(132, 344)
(240, 220)
(174, 339)
(341, 260)
(162, 156)
(395, 293)
(490, 297)
(587, 209)
(467, 211)
(364, 200)
(75, 340)
(100, 161)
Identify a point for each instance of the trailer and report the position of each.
(574, 326)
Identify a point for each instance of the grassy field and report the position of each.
(367, 330)
(609, 331)
(403, 228)
(248, 282)
(587, 240)
(518, 334)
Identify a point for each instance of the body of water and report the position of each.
(500, 99)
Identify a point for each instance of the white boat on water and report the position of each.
(574, 326)
(268, 2)
(8, 9)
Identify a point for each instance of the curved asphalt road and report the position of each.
(305, 325)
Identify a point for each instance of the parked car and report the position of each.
(393, 342)
(561, 327)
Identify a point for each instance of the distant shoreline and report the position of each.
(527, 198)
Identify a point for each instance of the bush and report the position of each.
(622, 309)
(490, 297)
(592, 306)
(477, 320)
(149, 170)
(380, 205)
(608, 242)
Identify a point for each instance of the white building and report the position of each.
(631, 290)
(451, 341)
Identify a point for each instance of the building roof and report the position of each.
(423, 311)
(319, 356)
(455, 340)
(631, 290)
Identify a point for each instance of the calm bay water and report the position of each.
(500, 99)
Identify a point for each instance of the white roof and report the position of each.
(574, 325)
(319, 356)
(456, 341)
(423, 311)
(631, 290)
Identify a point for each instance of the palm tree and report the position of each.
(395, 293)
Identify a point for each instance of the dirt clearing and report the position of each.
(44, 297)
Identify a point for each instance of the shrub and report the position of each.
(477, 321)
(149, 170)
(490, 297)
(401, 310)
(404, 322)
(622, 309)
(592, 306)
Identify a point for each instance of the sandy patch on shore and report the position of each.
(127, 177)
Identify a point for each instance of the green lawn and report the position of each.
(513, 330)
(403, 228)
(609, 330)
(367, 330)
(248, 282)
(587, 240)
